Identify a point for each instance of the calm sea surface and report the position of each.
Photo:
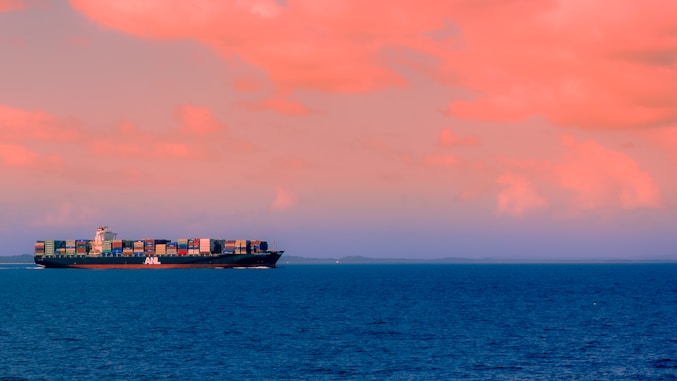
(334, 322)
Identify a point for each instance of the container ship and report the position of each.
(106, 251)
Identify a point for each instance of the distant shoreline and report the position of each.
(16, 259)
(291, 260)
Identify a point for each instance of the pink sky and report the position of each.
(527, 129)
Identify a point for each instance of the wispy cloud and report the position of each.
(284, 199)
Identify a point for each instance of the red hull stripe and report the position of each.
(161, 266)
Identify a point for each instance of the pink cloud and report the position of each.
(665, 138)
(247, 84)
(261, 8)
(198, 137)
(129, 142)
(24, 125)
(447, 138)
(64, 215)
(291, 164)
(441, 160)
(18, 156)
(198, 121)
(600, 178)
(11, 5)
(284, 199)
(335, 46)
(173, 150)
(601, 64)
(14, 155)
(588, 178)
(518, 196)
(282, 106)
(586, 64)
(383, 147)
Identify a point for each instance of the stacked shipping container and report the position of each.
(117, 248)
(50, 248)
(182, 247)
(258, 246)
(242, 246)
(139, 248)
(171, 248)
(82, 247)
(151, 247)
(193, 246)
(229, 247)
(205, 246)
(70, 247)
(107, 248)
(40, 248)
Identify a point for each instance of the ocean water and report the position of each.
(336, 322)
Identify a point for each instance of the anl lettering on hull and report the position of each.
(152, 261)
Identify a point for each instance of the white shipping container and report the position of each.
(204, 245)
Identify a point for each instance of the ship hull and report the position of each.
(268, 259)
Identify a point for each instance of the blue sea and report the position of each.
(341, 322)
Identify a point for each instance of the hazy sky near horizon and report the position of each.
(498, 128)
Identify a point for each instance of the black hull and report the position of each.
(268, 259)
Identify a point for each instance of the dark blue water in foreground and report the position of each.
(396, 322)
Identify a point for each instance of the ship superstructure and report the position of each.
(102, 234)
